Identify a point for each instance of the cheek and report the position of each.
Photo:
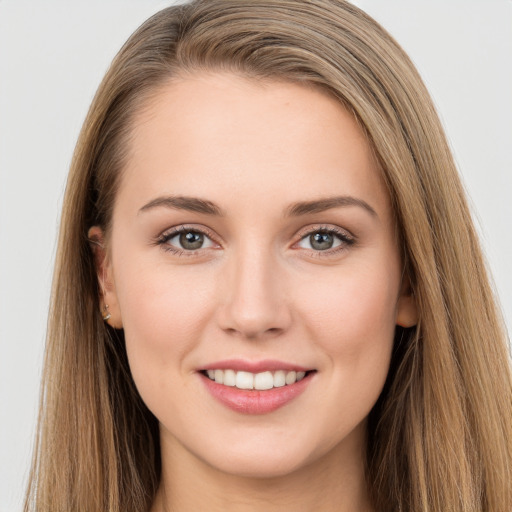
(353, 325)
(163, 314)
(352, 321)
(352, 302)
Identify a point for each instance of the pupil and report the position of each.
(191, 240)
(321, 241)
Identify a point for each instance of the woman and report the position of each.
(268, 289)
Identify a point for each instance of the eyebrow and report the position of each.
(321, 205)
(191, 204)
(195, 204)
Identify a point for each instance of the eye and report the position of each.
(185, 240)
(324, 240)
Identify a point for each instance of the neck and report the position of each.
(333, 482)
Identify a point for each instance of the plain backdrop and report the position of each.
(53, 55)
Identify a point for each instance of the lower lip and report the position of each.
(255, 401)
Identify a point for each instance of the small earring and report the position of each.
(105, 313)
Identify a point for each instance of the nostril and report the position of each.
(253, 334)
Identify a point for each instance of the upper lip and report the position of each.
(255, 366)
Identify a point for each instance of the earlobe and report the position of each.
(406, 310)
(108, 303)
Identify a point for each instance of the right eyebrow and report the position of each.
(191, 204)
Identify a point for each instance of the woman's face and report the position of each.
(252, 235)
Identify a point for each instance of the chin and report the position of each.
(262, 466)
(262, 456)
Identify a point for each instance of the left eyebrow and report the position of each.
(191, 204)
(327, 203)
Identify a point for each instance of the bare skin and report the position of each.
(328, 484)
(252, 224)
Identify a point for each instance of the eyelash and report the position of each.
(163, 239)
(346, 240)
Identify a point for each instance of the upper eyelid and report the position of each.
(169, 232)
(303, 232)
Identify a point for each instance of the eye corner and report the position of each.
(333, 238)
(201, 240)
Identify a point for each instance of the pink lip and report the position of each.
(254, 366)
(255, 401)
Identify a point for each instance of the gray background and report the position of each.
(52, 57)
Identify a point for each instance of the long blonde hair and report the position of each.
(440, 436)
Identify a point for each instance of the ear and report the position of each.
(406, 309)
(102, 262)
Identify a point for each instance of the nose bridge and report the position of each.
(255, 302)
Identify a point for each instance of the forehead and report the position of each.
(224, 135)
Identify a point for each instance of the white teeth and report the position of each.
(263, 381)
(260, 381)
(279, 379)
(229, 378)
(244, 380)
(291, 377)
(219, 376)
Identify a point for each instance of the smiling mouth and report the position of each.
(255, 381)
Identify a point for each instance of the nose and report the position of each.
(254, 303)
